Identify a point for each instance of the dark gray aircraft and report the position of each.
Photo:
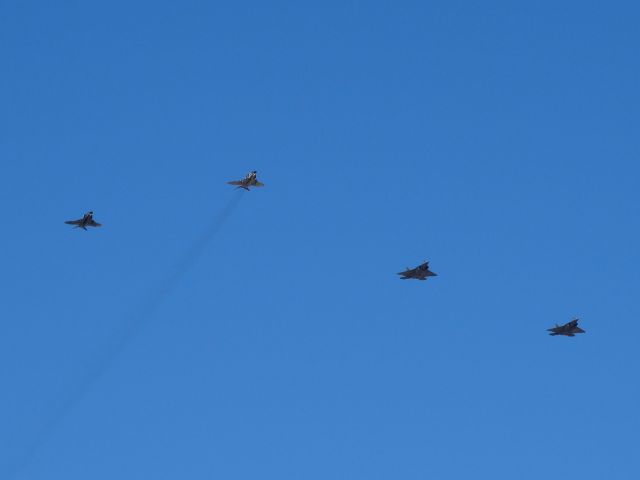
(421, 272)
(86, 221)
(568, 329)
(249, 180)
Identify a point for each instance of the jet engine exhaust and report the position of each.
(121, 339)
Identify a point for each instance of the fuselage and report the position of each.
(86, 220)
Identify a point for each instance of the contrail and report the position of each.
(130, 330)
(192, 255)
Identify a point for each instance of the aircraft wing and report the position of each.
(578, 330)
(93, 223)
(258, 184)
(73, 222)
(236, 182)
(407, 273)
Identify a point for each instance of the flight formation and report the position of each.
(421, 272)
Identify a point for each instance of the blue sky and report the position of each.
(495, 139)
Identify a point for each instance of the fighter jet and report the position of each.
(86, 221)
(568, 329)
(249, 180)
(421, 272)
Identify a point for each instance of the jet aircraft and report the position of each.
(568, 329)
(421, 272)
(84, 222)
(249, 180)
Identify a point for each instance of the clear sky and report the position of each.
(207, 333)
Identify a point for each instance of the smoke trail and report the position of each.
(130, 330)
(192, 255)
